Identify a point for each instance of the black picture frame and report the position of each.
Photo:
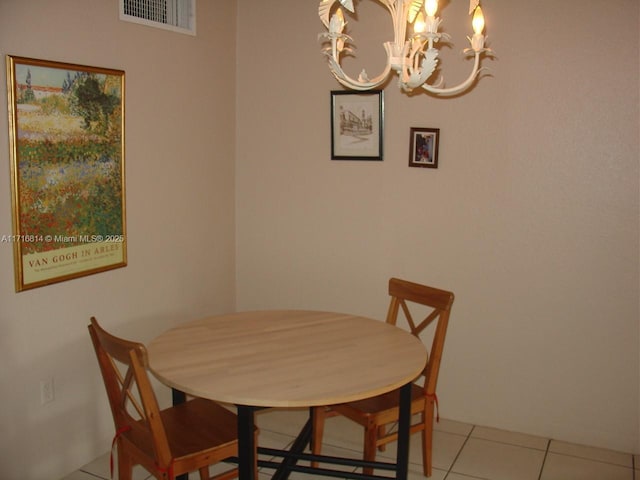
(423, 152)
(357, 125)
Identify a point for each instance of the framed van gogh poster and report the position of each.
(66, 135)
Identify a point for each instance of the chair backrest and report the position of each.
(439, 301)
(134, 406)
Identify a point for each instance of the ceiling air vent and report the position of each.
(176, 15)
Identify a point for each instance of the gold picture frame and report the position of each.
(66, 137)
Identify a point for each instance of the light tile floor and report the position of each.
(460, 452)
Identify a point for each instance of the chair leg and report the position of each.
(125, 466)
(427, 437)
(318, 415)
(382, 431)
(370, 440)
(204, 473)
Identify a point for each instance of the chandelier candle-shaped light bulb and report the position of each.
(336, 26)
(337, 22)
(477, 41)
(419, 26)
(431, 7)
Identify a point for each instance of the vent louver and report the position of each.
(175, 15)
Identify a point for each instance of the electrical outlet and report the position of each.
(47, 393)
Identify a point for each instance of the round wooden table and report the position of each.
(284, 358)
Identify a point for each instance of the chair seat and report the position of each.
(198, 432)
(381, 404)
(199, 425)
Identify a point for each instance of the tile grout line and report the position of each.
(92, 474)
(513, 444)
(459, 452)
(595, 460)
(544, 459)
(547, 450)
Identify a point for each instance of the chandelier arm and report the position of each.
(354, 84)
(462, 86)
(363, 82)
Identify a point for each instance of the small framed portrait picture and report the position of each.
(423, 152)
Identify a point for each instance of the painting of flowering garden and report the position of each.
(67, 143)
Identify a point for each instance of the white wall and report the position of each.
(180, 215)
(532, 218)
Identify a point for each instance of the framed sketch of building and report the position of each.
(357, 123)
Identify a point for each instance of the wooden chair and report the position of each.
(170, 442)
(375, 414)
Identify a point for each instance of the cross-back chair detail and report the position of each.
(169, 442)
(377, 413)
(440, 301)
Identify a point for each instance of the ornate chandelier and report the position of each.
(411, 54)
